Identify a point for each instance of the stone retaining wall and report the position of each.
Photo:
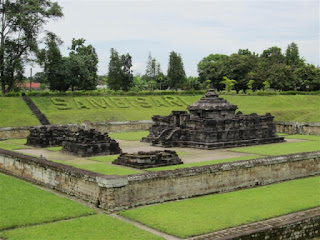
(114, 193)
(298, 128)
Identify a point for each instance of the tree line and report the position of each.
(22, 23)
(251, 71)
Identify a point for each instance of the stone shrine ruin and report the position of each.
(47, 136)
(142, 160)
(211, 124)
(87, 143)
(82, 143)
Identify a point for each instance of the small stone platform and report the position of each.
(87, 143)
(142, 160)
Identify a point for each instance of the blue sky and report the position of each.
(194, 29)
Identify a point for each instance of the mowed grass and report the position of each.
(13, 144)
(199, 164)
(23, 204)
(283, 148)
(119, 108)
(109, 158)
(129, 136)
(103, 168)
(97, 227)
(219, 211)
(54, 149)
(284, 108)
(15, 112)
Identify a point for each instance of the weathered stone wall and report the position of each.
(298, 128)
(14, 132)
(130, 126)
(120, 192)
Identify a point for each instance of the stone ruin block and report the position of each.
(142, 160)
(47, 136)
(87, 143)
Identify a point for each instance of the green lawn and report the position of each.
(109, 158)
(130, 136)
(97, 227)
(303, 137)
(198, 164)
(102, 109)
(103, 168)
(13, 144)
(130, 108)
(219, 211)
(54, 149)
(15, 112)
(281, 148)
(23, 204)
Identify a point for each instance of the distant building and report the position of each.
(26, 86)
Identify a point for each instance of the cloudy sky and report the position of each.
(194, 29)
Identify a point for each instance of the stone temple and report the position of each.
(211, 124)
(142, 160)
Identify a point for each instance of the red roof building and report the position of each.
(34, 85)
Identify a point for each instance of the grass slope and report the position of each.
(98, 227)
(15, 112)
(219, 211)
(23, 204)
(116, 109)
(124, 108)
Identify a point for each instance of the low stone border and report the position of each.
(114, 193)
(299, 225)
(298, 128)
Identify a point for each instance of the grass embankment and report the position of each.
(15, 112)
(211, 213)
(23, 204)
(125, 108)
(102, 109)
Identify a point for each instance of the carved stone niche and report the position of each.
(142, 160)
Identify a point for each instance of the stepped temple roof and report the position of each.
(211, 102)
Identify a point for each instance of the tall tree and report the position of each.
(127, 76)
(21, 22)
(292, 55)
(176, 73)
(153, 73)
(85, 65)
(115, 71)
(51, 60)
